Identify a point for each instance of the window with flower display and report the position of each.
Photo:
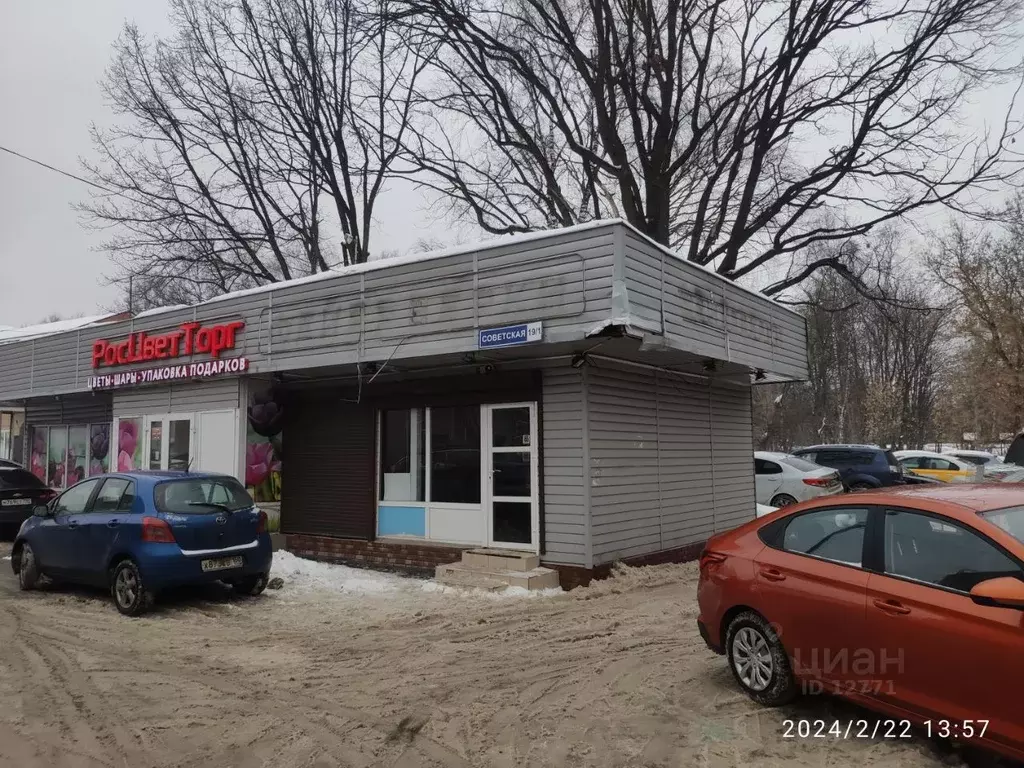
(62, 456)
(263, 449)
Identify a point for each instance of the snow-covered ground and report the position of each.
(299, 573)
(302, 575)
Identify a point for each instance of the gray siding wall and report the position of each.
(566, 517)
(670, 460)
(405, 309)
(732, 441)
(179, 398)
(700, 312)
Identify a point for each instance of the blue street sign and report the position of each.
(509, 336)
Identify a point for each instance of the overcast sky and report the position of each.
(53, 54)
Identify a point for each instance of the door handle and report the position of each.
(72, 524)
(891, 606)
(770, 574)
(113, 523)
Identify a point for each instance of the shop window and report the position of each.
(156, 444)
(402, 449)
(455, 454)
(18, 437)
(57, 454)
(129, 444)
(78, 447)
(99, 449)
(6, 419)
(179, 434)
(65, 455)
(37, 459)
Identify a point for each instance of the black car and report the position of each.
(20, 491)
(860, 466)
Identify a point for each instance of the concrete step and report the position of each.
(456, 577)
(459, 574)
(500, 560)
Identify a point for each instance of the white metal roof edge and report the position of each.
(703, 268)
(42, 330)
(414, 258)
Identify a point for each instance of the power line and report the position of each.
(51, 168)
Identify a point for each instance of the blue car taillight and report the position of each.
(156, 530)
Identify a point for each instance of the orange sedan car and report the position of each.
(909, 602)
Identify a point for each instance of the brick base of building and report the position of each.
(422, 559)
(417, 558)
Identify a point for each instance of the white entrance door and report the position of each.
(217, 443)
(511, 475)
(168, 442)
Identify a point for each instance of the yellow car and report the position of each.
(948, 469)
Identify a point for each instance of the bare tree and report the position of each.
(983, 270)
(876, 367)
(254, 143)
(740, 131)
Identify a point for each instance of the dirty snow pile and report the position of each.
(313, 575)
(434, 586)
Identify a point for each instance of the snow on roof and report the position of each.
(48, 329)
(500, 242)
(160, 310)
(30, 332)
(413, 258)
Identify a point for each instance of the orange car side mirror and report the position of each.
(1004, 592)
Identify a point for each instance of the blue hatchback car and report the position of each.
(142, 532)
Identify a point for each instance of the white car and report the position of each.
(781, 479)
(975, 457)
(993, 467)
(764, 509)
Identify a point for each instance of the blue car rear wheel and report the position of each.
(129, 592)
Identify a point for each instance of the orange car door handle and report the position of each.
(772, 575)
(892, 607)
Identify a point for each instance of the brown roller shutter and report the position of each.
(327, 484)
(70, 409)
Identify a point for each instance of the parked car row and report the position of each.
(786, 478)
(823, 470)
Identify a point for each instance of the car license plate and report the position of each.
(222, 563)
(15, 502)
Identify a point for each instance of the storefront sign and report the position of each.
(170, 373)
(509, 336)
(189, 339)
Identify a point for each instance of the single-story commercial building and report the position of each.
(582, 394)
